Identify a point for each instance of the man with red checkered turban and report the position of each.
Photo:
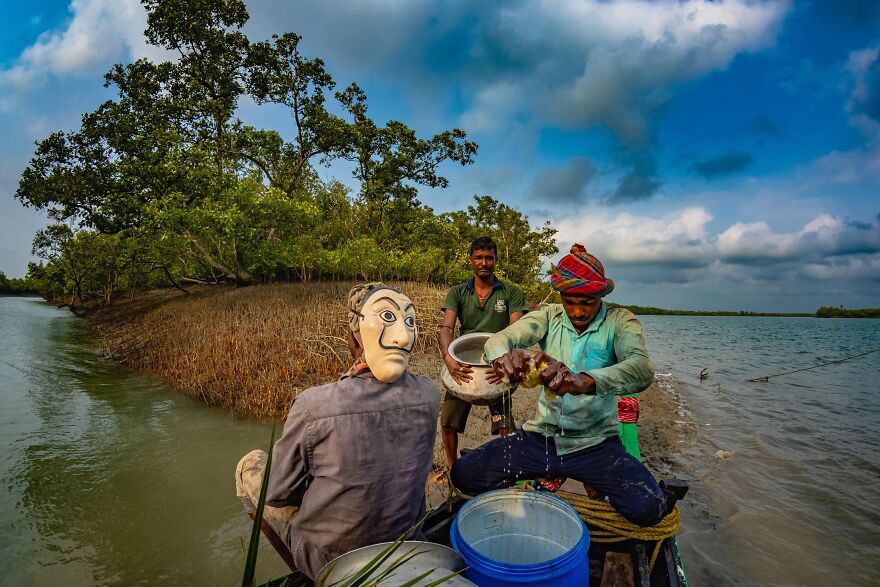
(580, 273)
(590, 355)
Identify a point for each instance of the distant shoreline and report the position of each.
(92, 304)
(824, 312)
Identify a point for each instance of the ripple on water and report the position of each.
(796, 503)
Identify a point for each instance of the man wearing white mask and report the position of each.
(350, 467)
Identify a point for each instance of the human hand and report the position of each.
(561, 380)
(514, 365)
(551, 484)
(460, 372)
(493, 376)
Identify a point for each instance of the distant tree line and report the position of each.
(165, 186)
(841, 312)
(16, 286)
(651, 310)
(823, 312)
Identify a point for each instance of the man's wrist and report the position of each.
(588, 386)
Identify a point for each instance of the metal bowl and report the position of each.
(439, 559)
(468, 349)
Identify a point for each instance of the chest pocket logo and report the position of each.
(500, 306)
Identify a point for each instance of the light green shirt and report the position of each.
(611, 350)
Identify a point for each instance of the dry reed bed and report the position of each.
(252, 349)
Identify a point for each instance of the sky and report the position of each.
(714, 155)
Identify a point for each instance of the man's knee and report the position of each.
(647, 511)
(466, 474)
(249, 478)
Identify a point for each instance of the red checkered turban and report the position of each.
(580, 273)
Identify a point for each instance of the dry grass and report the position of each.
(251, 349)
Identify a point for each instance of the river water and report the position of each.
(108, 477)
(785, 474)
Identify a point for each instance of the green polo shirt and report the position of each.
(490, 316)
(611, 350)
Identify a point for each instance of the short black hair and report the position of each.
(485, 243)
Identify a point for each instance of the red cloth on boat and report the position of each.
(628, 410)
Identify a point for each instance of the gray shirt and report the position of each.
(354, 456)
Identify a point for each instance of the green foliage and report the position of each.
(164, 185)
(16, 286)
(841, 312)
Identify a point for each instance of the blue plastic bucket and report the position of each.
(516, 537)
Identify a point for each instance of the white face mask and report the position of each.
(388, 333)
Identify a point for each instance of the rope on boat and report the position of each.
(766, 377)
(607, 525)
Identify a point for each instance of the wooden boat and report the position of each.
(618, 564)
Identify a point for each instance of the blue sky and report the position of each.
(715, 155)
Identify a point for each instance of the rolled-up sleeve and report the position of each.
(633, 372)
(289, 475)
(523, 333)
(516, 302)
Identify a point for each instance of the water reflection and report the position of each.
(109, 477)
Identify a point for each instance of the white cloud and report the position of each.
(820, 239)
(99, 32)
(494, 106)
(615, 63)
(564, 62)
(680, 238)
(680, 246)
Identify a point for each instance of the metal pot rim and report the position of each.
(453, 561)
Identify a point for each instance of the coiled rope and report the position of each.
(607, 525)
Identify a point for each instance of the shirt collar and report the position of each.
(496, 285)
(359, 368)
(593, 326)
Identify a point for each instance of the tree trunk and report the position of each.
(172, 280)
(242, 275)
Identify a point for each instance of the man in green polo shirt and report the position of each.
(482, 304)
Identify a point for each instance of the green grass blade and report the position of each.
(415, 580)
(250, 563)
(442, 580)
(362, 576)
(401, 560)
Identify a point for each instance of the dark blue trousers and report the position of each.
(612, 471)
